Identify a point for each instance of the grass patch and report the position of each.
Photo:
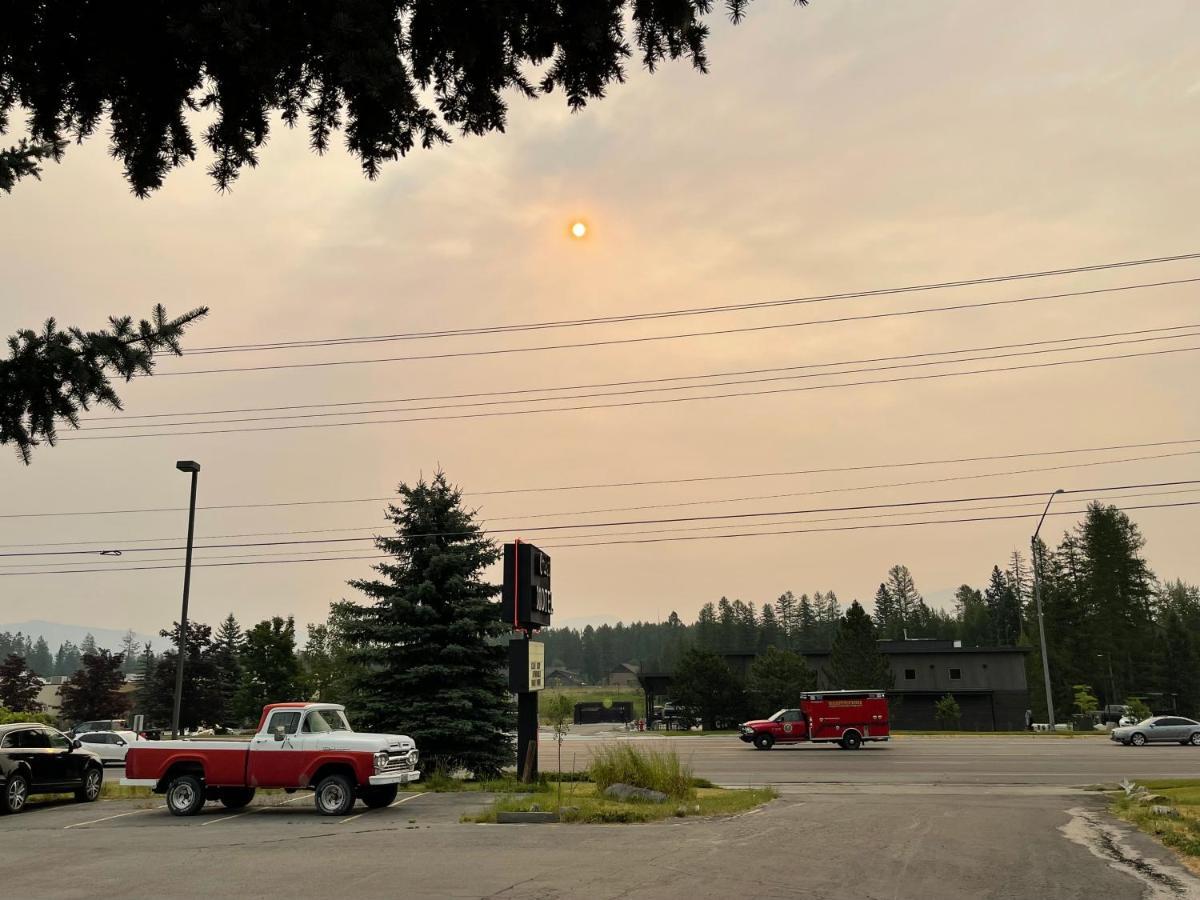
(586, 804)
(1032, 735)
(597, 694)
(645, 768)
(1180, 832)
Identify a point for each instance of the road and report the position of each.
(934, 819)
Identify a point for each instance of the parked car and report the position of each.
(298, 746)
(1159, 730)
(110, 746)
(96, 725)
(37, 759)
(1114, 713)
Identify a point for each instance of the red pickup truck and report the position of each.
(298, 746)
(846, 718)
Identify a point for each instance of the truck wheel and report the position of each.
(89, 791)
(185, 795)
(236, 798)
(763, 742)
(851, 741)
(381, 796)
(335, 795)
(16, 792)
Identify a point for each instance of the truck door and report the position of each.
(791, 727)
(277, 757)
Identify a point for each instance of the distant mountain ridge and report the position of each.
(56, 633)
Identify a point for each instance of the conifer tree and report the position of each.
(18, 686)
(270, 667)
(428, 639)
(226, 655)
(1004, 609)
(40, 659)
(855, 662)
(886, 616)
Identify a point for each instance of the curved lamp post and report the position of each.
(1037, 598)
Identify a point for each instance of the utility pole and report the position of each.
(1037, 598)
(184, 465)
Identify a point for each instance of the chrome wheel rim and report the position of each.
(332, 796)
(18, 792)
(1195, 740)
(1138, 740)
(92, 788)
(182, 796)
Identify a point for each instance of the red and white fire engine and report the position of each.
(298, 746)
(846, 718)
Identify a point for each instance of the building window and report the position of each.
(910, 674)
(956, 674)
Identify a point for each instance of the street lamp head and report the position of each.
(1060, 491)
(187, 465)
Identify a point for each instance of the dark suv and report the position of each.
(36, 759)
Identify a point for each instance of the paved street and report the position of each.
(927, 818)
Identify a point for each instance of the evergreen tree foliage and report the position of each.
(326, 660)
(226, 652)
(18, 685)
(40, 659)
(389, 74)
(1004, 609)
(52, 375)
(23, 161)
(201, 702)
(1181, 665)
(429, 637)
(776, 680)
(855, 662)
(94, 691)
(887, 615)
(704, 683)
(129, 652)
(270, 667)
(975, 619)
(88, 644)
(67, 660)
(769, 632)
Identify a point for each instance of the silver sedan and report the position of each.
(1159, 729)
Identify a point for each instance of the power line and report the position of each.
(632, 403)
(663, 521)
(965, 520)
(1182, 332)
(1033, 503)
(958, 307)
(694, 311)
(695, 479)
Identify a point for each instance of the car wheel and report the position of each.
(763, 742)
(1194, 740)
(185, 795)
(335, 795)
(89, 791)
(381, 796)
(851, 741)
(16, 792)
(1138, 740)
(236, 798)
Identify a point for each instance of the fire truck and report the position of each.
(845, 718)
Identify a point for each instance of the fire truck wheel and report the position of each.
(851, 740)
(236, 798)
(379, 797)
(335, 795)
(763, 742)
(185, 795)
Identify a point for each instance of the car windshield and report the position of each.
(1148, 722)
(321, 721)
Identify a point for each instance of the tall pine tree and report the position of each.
(855, 662)
(429, 639)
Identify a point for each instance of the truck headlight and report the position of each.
(381, 760)
(413, 756)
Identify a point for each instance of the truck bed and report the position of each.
(224, 761)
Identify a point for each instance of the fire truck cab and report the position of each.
(846, 718)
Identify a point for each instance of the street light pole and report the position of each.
(1037, 599)
(184, 465)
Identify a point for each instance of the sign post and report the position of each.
(526, 605)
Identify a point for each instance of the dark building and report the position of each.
(988, 683)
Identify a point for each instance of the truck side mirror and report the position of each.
(279, 733)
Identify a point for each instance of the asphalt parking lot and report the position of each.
(906, 820)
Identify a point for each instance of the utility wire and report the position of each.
(1182, 332)
(957, 307)
(695, 479)
(905, 504)
(632, 403)
(1030, 515)
(694, 311)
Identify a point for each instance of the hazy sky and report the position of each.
(839, 147)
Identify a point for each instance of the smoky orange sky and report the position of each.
(840, 147)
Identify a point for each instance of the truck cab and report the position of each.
(297, 746)
(845, 718)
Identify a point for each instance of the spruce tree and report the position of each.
(41, 661)
(887, 618)
(1004, 609)
(18, 686)
(855, 662)
(226, 655)
(429, 640)
(975, 621)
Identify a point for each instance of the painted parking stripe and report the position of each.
(109, 818)
(390, 805)
(222, 819)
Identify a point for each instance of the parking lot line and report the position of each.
(222, 819)
(390, 805)
(117, 816)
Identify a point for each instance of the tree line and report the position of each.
(68, 659)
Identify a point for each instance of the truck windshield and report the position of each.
(777, 716)
(321, 721)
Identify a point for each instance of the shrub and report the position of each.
(8, 718)
(947, 712)
(652, 769)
